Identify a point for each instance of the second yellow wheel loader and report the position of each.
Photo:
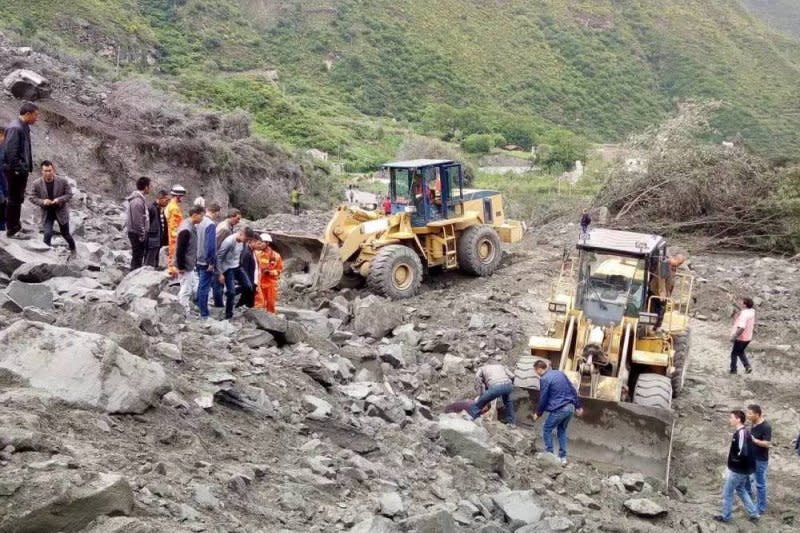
(623, 341)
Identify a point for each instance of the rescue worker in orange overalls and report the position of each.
(270, 266)
(174, 217)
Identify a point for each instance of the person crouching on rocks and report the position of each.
(493, 381)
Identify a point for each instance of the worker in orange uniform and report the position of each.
(270, 266)
(174, 217)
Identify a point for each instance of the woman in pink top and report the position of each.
(742, 334)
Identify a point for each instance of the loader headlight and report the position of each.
(648, 319)
(555, 307)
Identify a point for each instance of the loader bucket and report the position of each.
(313, 255)
(619, 434)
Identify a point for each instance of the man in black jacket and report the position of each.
(157, 232)
(741, 464)
(18, 163)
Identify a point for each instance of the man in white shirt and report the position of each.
(742, 334)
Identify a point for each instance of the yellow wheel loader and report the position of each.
(433, 222)
(623, 341)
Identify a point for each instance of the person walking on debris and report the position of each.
(585, 221)
(228, 269)
(741, 466)
(206, 256)
(174, 216)
(270, 266)
(294, 196)
(52, 193)
(493, 381)
(158, 233)
(137, 220)
(558, 397)
(742, 334)
(18, 164)
(3, 183)
(186, 256)
(350, 193)
(760, 435)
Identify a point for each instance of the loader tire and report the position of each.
(653, 390)
(396, 272)
(525, 377)
(479, 252)
(681, 343)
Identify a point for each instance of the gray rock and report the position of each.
(375, 524)
(316, 324)
(168, 350)
(14, 254)
(144, 282)
(109, 320)
(391, 504)
(317, 408)
(52, 502)
(37, 315)
(257, 339)
(30, 295)
(358, 391)
(407, 335)
(27, 85)
(476, 322)
(466, 439)
(453, 366)
(364, 375)
(392, 354)
(7, 304)
(97, 373)
(202, 496)
(519, 506)
(633, 481)
(435, 522)
(375, 317)
(386, 407)
(644, 508)
(119, 524)
(39, 272)
(274, 324)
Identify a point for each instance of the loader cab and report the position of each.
(613, 274)
(426, 189)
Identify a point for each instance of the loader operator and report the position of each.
(662, 283)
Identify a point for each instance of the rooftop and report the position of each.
(626, 242)
(418, 163)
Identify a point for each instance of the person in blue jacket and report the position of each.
(559, 398)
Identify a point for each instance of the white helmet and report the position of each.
(178, 190)
(200, 201)
(266, 237)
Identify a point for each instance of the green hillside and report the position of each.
(783, 15)
(347, 76)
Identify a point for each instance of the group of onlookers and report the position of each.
(211, 259)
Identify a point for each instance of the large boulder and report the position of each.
(144, 282)
(39, 272)
(375, 316)
(109, 320)
(54, 502)
(30, 295)
(27, 85)
(469, 440)
(83, 369)
(14, 254)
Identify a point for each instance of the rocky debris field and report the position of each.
(118, 415)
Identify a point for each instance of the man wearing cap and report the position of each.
(270, 266)
(174, 217)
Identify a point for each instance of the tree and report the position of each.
(561, 148)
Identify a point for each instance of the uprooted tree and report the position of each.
(673, 180)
